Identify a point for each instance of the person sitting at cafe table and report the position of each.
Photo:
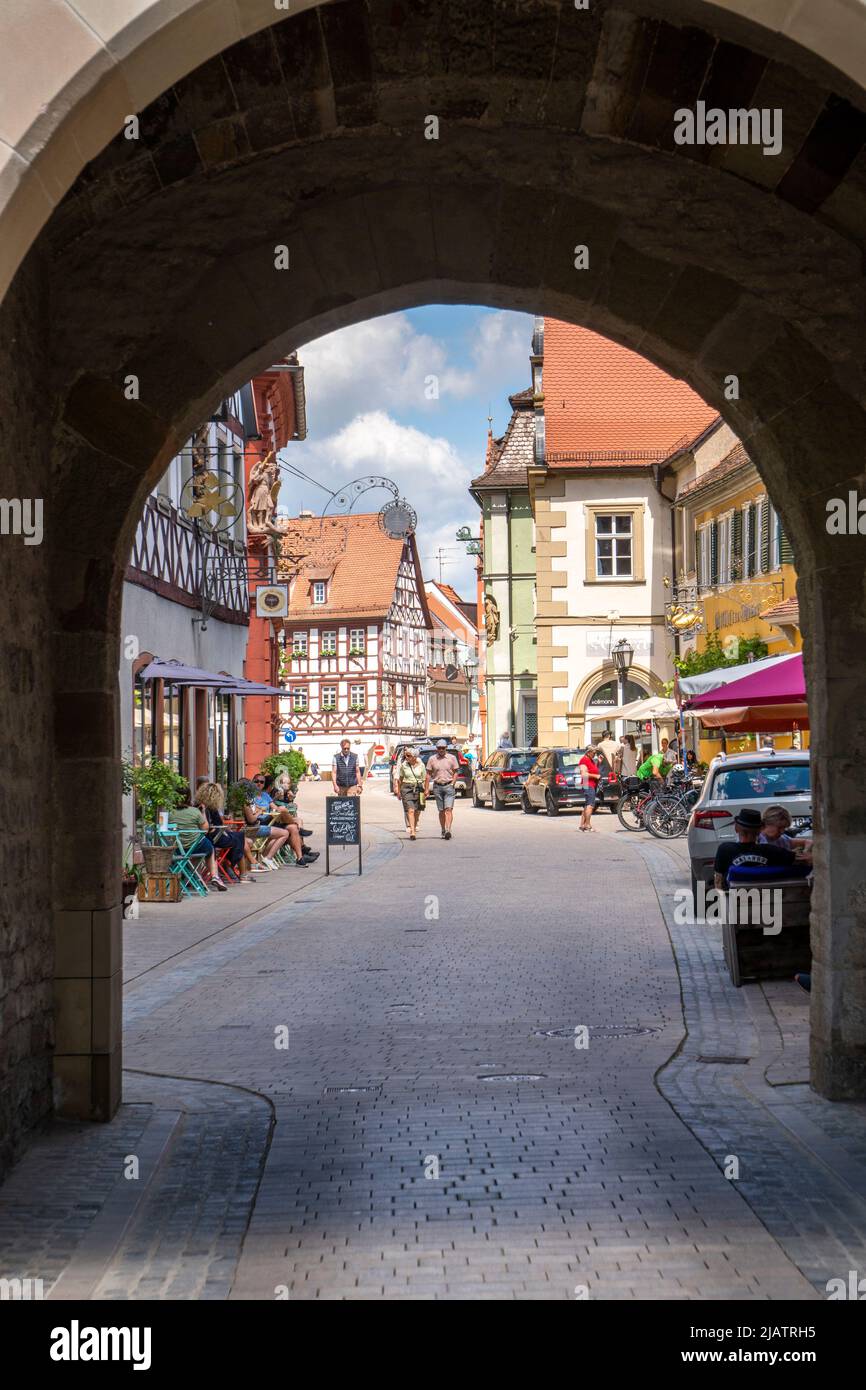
(284, 802)
(258, 812)
(775, 823)
(746, 853)
(211, 798)
(190, 822)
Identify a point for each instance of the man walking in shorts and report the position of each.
(442, 768)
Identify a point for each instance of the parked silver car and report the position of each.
(761, 779)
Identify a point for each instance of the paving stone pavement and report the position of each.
(802, 1159)
(405, 1127)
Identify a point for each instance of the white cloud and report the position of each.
(381, 362)
(387, 363)
(376, 443)
(428, 470)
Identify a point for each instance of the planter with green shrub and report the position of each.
(239, 794)
(290, 761)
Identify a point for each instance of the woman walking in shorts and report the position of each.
(410, 788)
(590, 773)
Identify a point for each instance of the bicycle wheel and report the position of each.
(630, 810)
(666, 817)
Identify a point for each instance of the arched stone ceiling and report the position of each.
(72, 70)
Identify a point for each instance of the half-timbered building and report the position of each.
(186, 604)
(354, 644)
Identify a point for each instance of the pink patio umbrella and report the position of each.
(784, 684)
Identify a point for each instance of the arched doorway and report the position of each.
(599, 693)
(606, 697)
(268, 201)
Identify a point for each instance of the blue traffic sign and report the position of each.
(289, 735)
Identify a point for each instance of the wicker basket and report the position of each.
(157, 858)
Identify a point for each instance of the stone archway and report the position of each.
(580, 700)
(64, 102)
(158, 272)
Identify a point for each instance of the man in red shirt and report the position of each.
(442, 768)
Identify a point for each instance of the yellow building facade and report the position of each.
(733, 554)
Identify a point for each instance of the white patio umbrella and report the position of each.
(652, 707)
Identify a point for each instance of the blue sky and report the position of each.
(372, 409)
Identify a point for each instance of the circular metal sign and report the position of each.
(213, 498)
(398, 520)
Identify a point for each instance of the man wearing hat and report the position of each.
(745, 852)
(442, 768)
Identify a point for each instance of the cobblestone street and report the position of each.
(430, 1129)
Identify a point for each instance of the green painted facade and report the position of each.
(509, 576)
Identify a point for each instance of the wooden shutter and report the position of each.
(751, 538)
(786, 550)
(765, 535)
(714, 552)
(737, 545)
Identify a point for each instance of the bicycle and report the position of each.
(631, 807)
(668, 815)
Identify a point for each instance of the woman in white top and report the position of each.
(627, 757)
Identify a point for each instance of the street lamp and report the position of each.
(470, 670)
(622, 654)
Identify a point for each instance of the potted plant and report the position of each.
(290, 761)
(238, 795)
(158, 787)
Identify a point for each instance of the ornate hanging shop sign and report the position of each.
(213, 499)
(684, 614)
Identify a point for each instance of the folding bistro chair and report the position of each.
(185, 864)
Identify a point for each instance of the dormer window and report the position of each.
(320, 591)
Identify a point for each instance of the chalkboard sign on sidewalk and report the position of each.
(342, 825)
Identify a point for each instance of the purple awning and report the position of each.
(239, 686)
(176, 673)
(782, 684)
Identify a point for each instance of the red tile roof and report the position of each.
(786, 613)
(468, 610)
(607, 402)
(355, 557)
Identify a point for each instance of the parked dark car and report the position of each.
(424, 747)
(500, 780)
(553, 783)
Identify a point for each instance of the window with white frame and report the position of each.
(299, 699)
(320, 591)
(329, 697)
(299, 643)
(358, 696)
(613, 545)
(357, 639)
(328, 644)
